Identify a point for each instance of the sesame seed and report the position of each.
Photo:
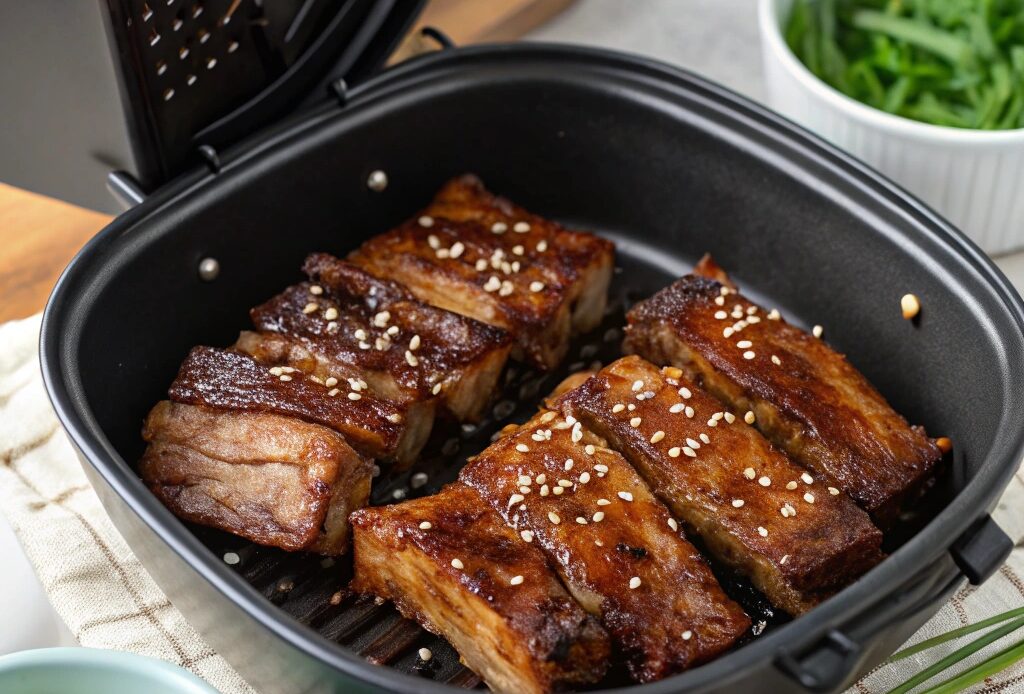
(553, 517)
(749, 473)
(730, 417)
(712, 422)
(331, 313)
(568, 464)
(564, 483)
(764, 481)
(522, 448)
(425, 654)
(426, 525)
(809, 498)
(817, 331)
(672, 524)
(635, 422)
(719, 301)
(589, 449)
(433, 242)
(285, 377)
(521, 227)
(515, 499)
(577, 433)
(600, 467)
(457, 249)
(774, 314)
(692, 443)
(677, 408)
(310, 307)
(776, 360)
(910, 306)
(316, 290)
(744, 344)
(382, 318)
(231, 558)
(457, 563)
(276, 371)
(763, 532)
(833, 491)
(658, 436)
(544, 490)
(436, 389)
(414, 343)
(527, 535)
(685, 393)
(718, 415)
(426, 221)
(481, 265)
(584, 477)
(518, 250)
(541, 478)
(499, 227)
(791, 486)
(721, 315)
(536, 286)
(411, 358)
(603, 502)
(728, 332)
(738, 503)
(689, 412)
(515, 580)
(506, 288)
(749, 417)
(630, 407)
(674, 452)
(689, 451)
(333, 391)
(625, 496)
(331, 382)
(618, 407)
(807, 479)
(749, 354)
(354, 396)
(493, 284)
(634, 583)
(687, 635)
(785, 558)
(581, 520)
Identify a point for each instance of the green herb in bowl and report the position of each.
(957, 63)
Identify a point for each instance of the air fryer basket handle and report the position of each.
(978, 554)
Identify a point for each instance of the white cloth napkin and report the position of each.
(108, 600)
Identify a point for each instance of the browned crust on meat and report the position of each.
(555, 280)
(813, 404)
(678, 616)
(800, 558)
(376, 329)
(232, 381)
(525, 637)
(275, 480)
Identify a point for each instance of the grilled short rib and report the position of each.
(795, 538)
(449, 562)
(358, 326)
(230, 380)
(807, 398)
(275, 480)
(479, 255)
(616, 547)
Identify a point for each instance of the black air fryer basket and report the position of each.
(245, 182)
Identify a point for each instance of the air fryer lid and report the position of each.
(195, 73)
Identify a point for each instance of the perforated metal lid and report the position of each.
(209, 72)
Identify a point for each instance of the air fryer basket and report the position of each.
(664, 163)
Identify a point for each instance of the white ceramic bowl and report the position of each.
(975, 178)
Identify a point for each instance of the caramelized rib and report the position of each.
(812, 403)
(728, 484)
(458, 576)
(612, 542)
(275, 480)
(480, 256)
(232, 381)
(355, 325)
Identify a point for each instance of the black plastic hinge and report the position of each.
(981, 550)
(827, 666)
(210, 156)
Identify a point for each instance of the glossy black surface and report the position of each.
(667, 165)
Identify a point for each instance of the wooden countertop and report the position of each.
(39, 235)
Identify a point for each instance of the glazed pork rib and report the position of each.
(355, 325)
(230, 380)
(450, 563)
(797, 539)
(275, 480)
(617, 548)
(807, 398)
(481, 256)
